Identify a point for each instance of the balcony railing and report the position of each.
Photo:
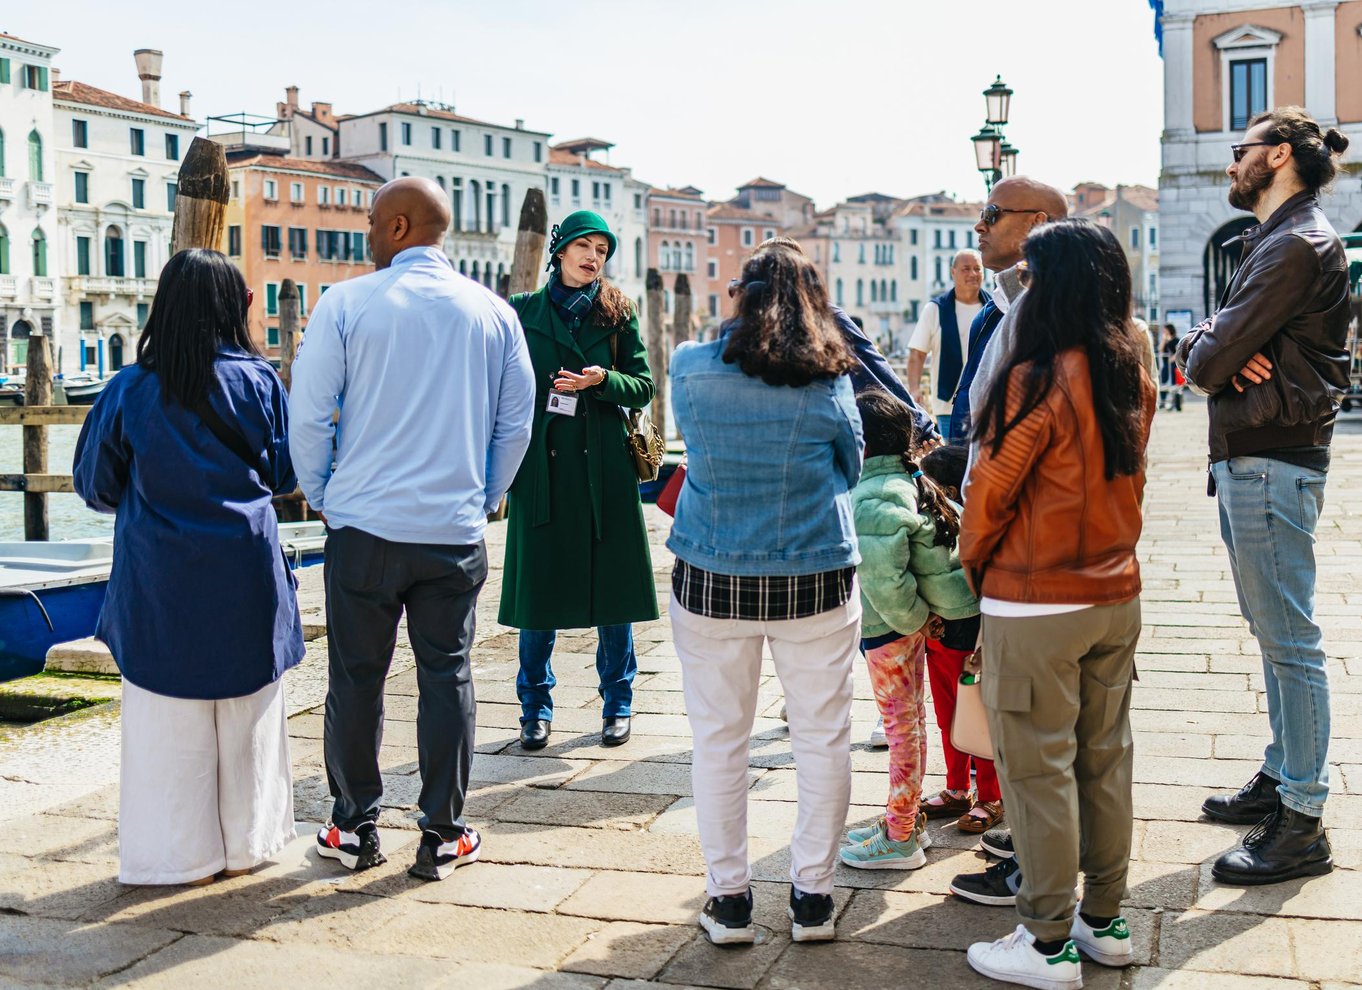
(9, 286)
(105, 285)
(39, 194)
(44, 288)
(6, 188)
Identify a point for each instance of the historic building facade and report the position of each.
(30, 266)
(1224, 61)
(118, 162)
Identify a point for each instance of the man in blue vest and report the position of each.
(943, 331)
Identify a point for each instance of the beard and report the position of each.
(1248, 187)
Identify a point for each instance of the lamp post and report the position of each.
(993, 156)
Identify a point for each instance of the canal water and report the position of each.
(68, 518)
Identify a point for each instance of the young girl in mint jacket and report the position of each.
(911, 585)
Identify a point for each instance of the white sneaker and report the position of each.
(1110, 946)
(1014, 959)
(878, 740)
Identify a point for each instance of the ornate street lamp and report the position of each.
(1008, 155)
(998, 97)
(987, 150)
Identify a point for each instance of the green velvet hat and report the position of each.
(577, 225)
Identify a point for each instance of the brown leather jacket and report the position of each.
(1042, 524)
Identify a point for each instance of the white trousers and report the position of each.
(720, 673)
(206, 786)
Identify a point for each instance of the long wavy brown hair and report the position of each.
(612, 307)
(783, 330)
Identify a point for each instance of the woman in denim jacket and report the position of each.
(766, 553)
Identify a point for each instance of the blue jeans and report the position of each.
(616, 665)
(943, 423)
(1268, 513)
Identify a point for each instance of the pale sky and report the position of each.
(833, 99)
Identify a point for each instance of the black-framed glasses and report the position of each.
(1240, 150)
(992, 213)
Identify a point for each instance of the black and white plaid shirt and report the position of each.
(760, 597)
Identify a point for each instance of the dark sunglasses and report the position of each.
(1240, 150)
(991, 214)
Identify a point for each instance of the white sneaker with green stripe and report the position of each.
(1110, 946)
(856, 836)
(879, 852)
(1014, 959)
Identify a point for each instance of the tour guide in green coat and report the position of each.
(577, 547)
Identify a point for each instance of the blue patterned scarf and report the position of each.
(573, 305)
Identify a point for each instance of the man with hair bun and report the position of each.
(1274, 361)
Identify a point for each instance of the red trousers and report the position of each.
(944, 666)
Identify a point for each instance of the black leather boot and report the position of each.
(1254, 801)
(534, 734)
(615, 731)
(1284, 845)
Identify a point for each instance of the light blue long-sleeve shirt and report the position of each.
(436, 393)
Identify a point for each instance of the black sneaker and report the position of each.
(438, 857)
(811, 917)
(997, 885)
(727, 919)
(998, 842)
(357, 850)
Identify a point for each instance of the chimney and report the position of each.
(149, 71)
(56, 76)
(520, 123)
(291, 97)
(322, 113)
(184, 102)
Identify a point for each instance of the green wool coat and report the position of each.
(904, 576)
(577, 546)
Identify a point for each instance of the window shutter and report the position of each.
(4, 70)
(4, 255)
(265, 239)
(42, 78)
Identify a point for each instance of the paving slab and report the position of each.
(69, 953)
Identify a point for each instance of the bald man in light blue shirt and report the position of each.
(435, 392)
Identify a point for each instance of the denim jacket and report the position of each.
(769, 469)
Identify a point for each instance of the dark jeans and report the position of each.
(616, 665)
(369, 581)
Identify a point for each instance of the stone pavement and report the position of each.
(591, 875)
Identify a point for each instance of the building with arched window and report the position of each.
(117, 162)
(1224, 61)
(30, 264)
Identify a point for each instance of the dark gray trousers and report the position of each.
(369, 581)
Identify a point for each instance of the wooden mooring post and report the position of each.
(201, 195)
(655, 336)
(529, 243)
(289, 318)
(38, 392)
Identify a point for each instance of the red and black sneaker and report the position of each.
(437, 857)
(357, 850)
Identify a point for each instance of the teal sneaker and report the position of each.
(879, 852)
(858, 835)
(1109, 946)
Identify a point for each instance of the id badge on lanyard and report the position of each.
(562, 403)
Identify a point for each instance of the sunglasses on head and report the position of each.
(1240, 150)
(992, 213)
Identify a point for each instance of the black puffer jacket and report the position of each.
(1289, 301)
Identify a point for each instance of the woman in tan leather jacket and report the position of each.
(1051, 521)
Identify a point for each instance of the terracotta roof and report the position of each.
(72, 91)
(344, 170)
(1142, 197)
(723, 211)
(11, 37)
(764, 183)
(585, 142)
(674, 194)
(434, 113)
(557, 157)
(959, 211)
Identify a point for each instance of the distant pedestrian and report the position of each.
(1274, 360)
(188, 446)
(943, 334)
(1172, 383)
(1015, 207)
(912, 591)
(1048, 536)
(577, 549)
(766, 555)
(431, 378)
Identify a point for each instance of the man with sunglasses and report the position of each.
(1014, 207)
(1274, 362)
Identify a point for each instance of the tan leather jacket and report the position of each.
(1042, 524)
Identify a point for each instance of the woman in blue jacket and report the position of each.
(200, 613)
(766, 553)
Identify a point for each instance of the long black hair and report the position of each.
(200, 305)
(785, 333)
(1079, 297)
(887, 424)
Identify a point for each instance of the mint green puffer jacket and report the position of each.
(903, 575)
